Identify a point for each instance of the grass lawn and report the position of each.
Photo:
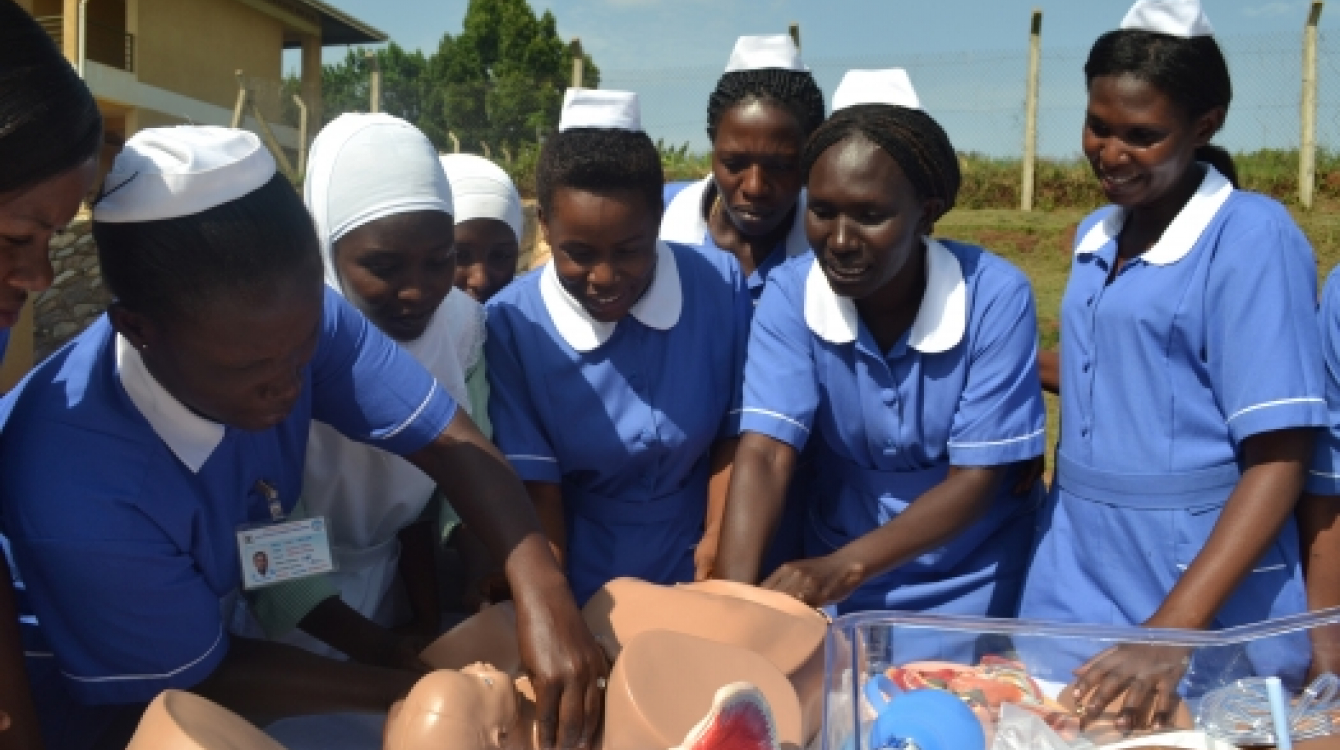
(1040, 244)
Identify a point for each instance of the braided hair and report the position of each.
(1191, 72)
(49, 122)
(601, 161)
(792, 90)
(913, 138)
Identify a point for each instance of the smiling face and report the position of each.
(1140, 143)
(486, 256)
(756, 165)
(864, 219)
(604, 248)
(236, 359)
(398, 269)
(28, 219)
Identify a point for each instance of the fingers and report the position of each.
(547, 699)
(1165, 708)
(1100, 682)
(594, 708)
(572, 712)
(1135, 706)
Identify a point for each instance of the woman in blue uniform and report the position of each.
(50, 133)
(138, 455)
(752, 206)
(1319, 509)
(759, 116)
(1191, 380)
(615, 369)
(910, 364)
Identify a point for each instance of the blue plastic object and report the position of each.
(920, 720)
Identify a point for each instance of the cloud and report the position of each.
(1273, 9)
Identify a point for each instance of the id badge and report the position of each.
(282, 551)
(275, 553)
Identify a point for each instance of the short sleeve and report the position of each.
(516, 421)
(96, 600)
(741, 313)
(1323, 477)
(781, 384)
(1264, 351)
(1000, 417)
(372, 390)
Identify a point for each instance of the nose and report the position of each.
(602, 276)
(755, 182)
(843, 240)
(1112, 153)
(476, 280)
(32, 271)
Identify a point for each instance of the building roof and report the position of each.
(340, 28)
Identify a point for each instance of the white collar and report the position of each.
(659, 307)
(1180, 236)
(941, 319)
(683, 221)
(191, 437)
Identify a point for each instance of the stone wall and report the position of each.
(76, 297)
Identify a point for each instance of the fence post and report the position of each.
(241, 100)
(578, 62)
(375, 83)
(1307, 151)
(302, 137)
(794, 31)
(1029, 178)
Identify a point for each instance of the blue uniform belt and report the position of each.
(1167, 491)
(690, 501)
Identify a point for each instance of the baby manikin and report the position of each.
(704, 666)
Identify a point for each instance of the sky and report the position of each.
(968, 58)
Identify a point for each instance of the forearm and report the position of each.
(15, 696)
(1049, 370)
(930, 521)
(754, 503)
(344, 629)
(1319, 529)
(264, 681)
(718, 488)
(547, 498)
(490, 500)
(1261, 502)
(418, 570)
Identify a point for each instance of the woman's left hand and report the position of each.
(818, 581)
(1147, 674)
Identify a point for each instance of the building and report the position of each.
(162, 62)
(165, 62)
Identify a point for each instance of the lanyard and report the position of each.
(271, 496)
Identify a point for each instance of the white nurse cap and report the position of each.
(1181, 18)
(600, 108)
(482, 190)
(165, 173)
(892, 86)
(773, 51)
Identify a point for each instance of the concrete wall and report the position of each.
(76, 297)
(192, 47)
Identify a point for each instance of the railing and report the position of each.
(107, 45)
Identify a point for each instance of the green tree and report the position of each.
(500, 82)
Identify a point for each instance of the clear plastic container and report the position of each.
(1018, 678)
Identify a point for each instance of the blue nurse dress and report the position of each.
(1205, 340)
(960, 388)
(121, 506)
(623, 416)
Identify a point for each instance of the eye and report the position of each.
(735, 164)
(1143, 137)
(1098, 128)
(872, 217)
(821, 211)
(17, 241)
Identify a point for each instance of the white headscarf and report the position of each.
(364, 168)
(482, 190)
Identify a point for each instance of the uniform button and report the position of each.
(888, 395)
(1086, 366)
(1085, 432)
(890, 450)
(1090, 302)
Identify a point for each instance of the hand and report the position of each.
(567, 667)
(705, 555)
(1147, 674)
(819, 580)
(491, 589)
(402, 648)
